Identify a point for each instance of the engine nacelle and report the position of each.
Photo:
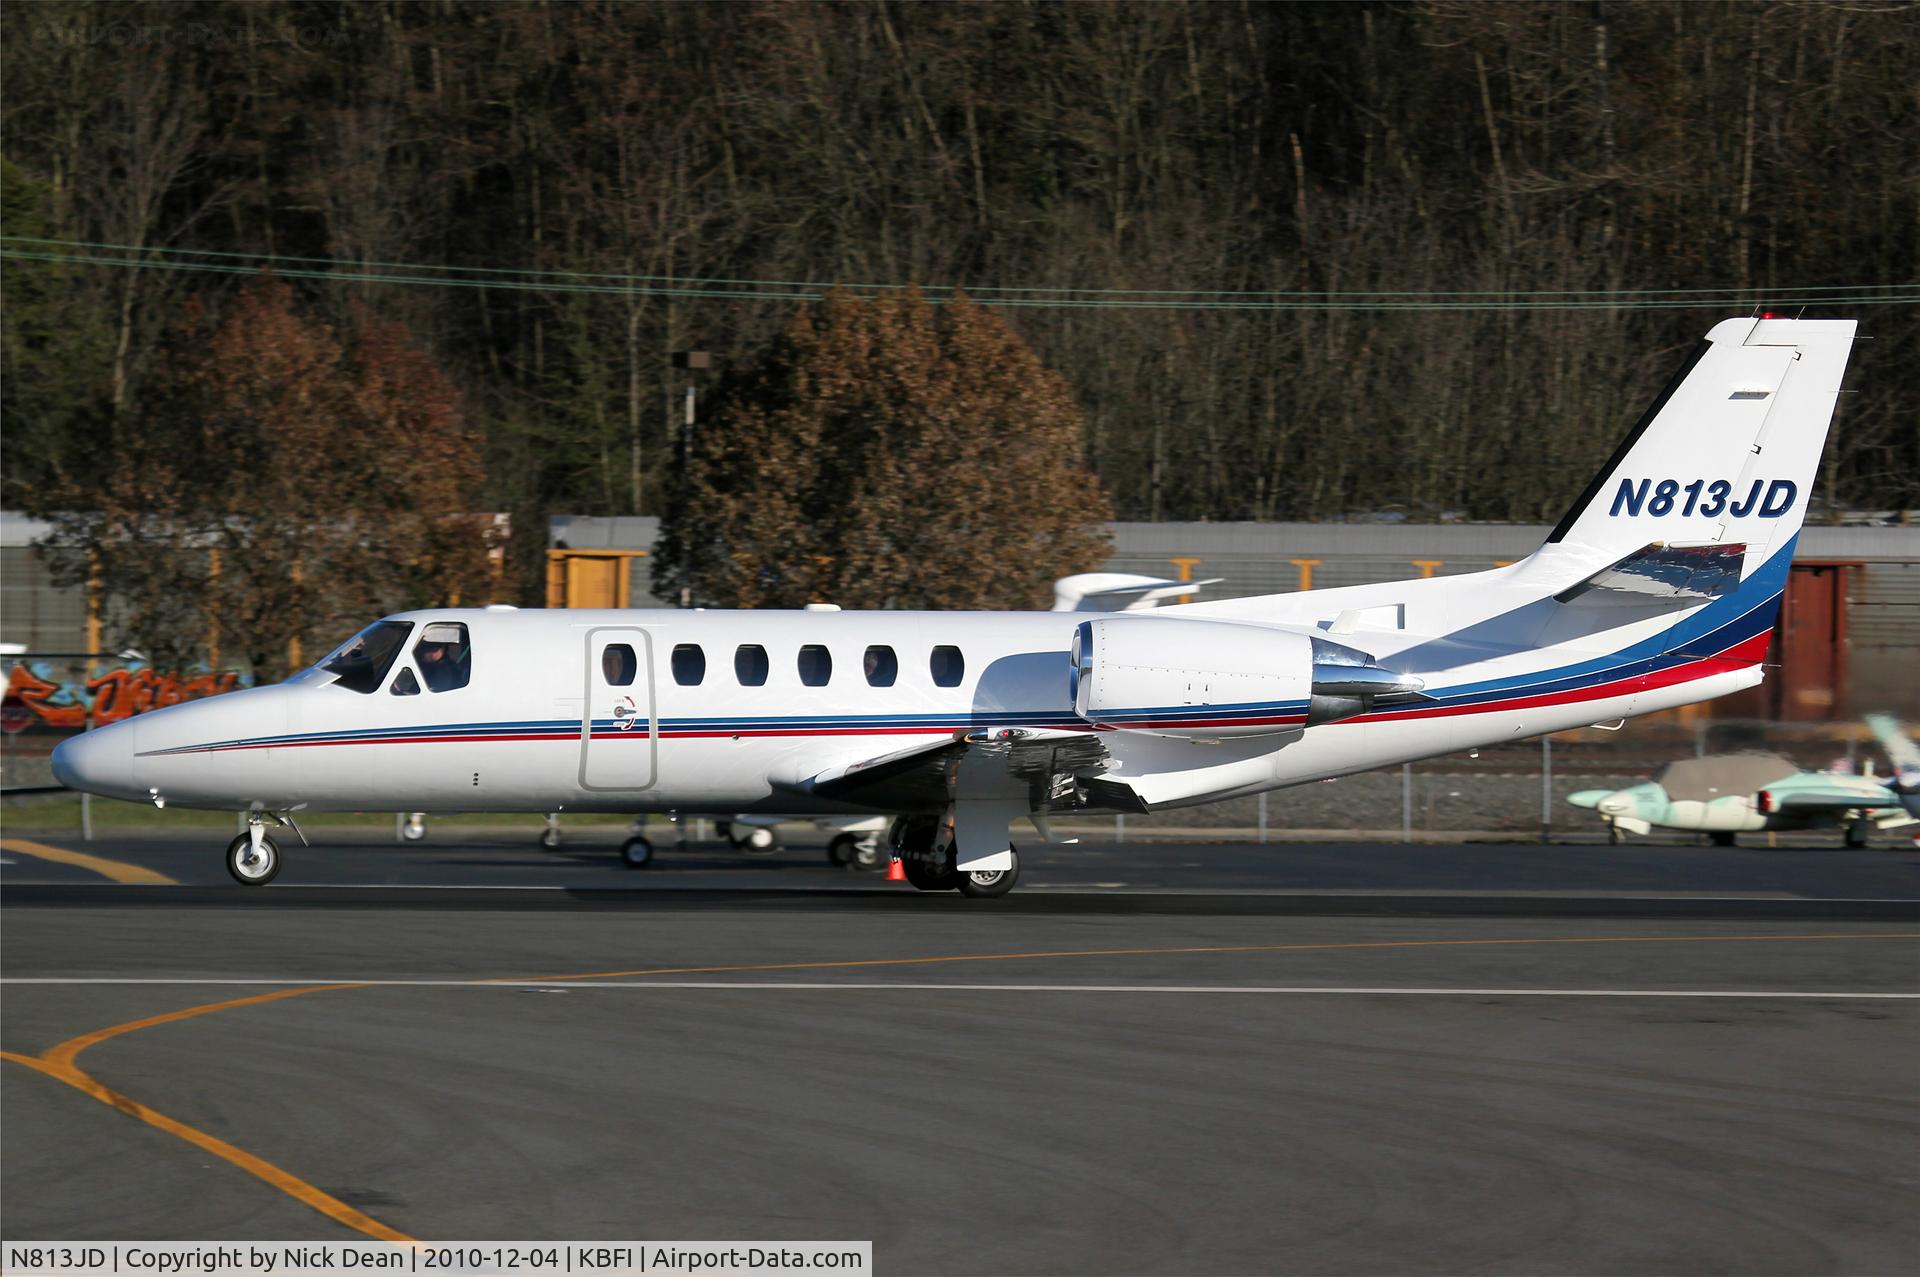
(1205, 680)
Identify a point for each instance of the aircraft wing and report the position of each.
(1052, 770)
(1832, 800)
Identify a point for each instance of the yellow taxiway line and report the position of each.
(117, 870)
(58, 1061)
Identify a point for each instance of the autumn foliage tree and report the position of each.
(886, 453)
(286, 487)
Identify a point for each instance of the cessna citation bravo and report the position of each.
(1659, 588)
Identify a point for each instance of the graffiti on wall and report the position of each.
(54, 700)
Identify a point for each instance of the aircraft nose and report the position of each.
(98, 762)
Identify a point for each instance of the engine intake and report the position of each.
(1205, 680)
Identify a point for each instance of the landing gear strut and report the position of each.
(253, 858)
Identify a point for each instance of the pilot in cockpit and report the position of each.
(442, 658)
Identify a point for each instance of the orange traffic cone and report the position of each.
(896, 869)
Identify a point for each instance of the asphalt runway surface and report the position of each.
(472, 1038)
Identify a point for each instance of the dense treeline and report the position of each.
(1507, 149)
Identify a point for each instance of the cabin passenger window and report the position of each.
(816, 665)
(444, 656)
(750, 665)
(618, 665)
(948, 666)
(689, 664)
(361, 663)
(406, 684)
(882, 666)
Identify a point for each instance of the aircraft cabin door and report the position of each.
(619, 726)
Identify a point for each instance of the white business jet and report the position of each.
(1659, 588)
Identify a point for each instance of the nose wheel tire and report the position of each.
(992, 884)
(857, 851)
(636, 852)
(550, 839)
(251, 869)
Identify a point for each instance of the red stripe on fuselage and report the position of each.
(1742, 655)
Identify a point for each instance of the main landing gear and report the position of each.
(636, 852)
(929, 867)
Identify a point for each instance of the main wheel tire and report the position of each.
(1856, 835)
(927, 878)
(636, 852)
(1614, 837)
(1724, 838)
(840, 849)
(248, 869)
(991, 884)
(550, 838)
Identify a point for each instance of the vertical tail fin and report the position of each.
(1729, 451)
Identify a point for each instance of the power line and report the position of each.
(268, 259)
(600, 283)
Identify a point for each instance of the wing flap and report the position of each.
(1051, 770)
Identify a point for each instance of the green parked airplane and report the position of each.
(1723, 795)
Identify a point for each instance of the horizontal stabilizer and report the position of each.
(1685, 574)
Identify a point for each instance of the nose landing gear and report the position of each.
(253, 858)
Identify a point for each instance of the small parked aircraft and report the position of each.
(1659, 588)
(1722, 795)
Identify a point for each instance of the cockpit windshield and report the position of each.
(362, 662)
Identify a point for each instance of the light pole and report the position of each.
(693, 361)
